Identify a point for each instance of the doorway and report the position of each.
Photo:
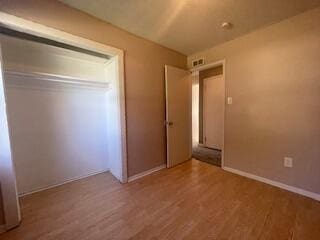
(208, 106)
(194, 116)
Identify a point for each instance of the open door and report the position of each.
(8, 188)
(178, 115)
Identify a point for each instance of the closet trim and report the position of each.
(54, 78)
(21, 25)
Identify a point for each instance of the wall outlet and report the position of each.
(288, 162)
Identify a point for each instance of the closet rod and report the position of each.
(26, 36)
(56, 78)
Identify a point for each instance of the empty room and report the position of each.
(174, 119)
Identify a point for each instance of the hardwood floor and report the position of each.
(194, 200)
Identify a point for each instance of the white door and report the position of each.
(7, 174)
(178, 115)
(213, 111)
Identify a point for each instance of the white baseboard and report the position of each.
(300, 191)
(2, 228)
(62, 183)
(140, 175)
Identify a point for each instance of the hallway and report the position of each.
(208, 155)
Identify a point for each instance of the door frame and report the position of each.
(8, 186)
(208, 66)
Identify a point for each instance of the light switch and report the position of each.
(288, 161)
(229, 100)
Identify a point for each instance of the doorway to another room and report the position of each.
(195, 106)
(208, 103)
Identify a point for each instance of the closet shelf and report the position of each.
(56, 78)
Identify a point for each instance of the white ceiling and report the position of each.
(189, 26)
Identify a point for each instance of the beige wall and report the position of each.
(144, 74)
(273, 76)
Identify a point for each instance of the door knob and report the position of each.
(168, 123)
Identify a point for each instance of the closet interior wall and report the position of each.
(59, 113)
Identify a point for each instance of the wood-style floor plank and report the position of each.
(191, 201)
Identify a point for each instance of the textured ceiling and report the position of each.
(189, 26)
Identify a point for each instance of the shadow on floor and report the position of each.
(208, 155)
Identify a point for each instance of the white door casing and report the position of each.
(7, 172)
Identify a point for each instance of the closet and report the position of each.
(62, 112)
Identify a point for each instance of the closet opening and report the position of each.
(62, 108)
